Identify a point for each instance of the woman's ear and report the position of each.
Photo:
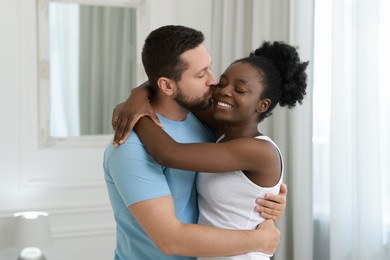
(166, 86)
(263, 105)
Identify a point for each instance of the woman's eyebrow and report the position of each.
(244, 81)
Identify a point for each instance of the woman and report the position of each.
(243, 163)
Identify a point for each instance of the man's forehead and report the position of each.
(197, 58)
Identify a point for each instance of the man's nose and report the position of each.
(212, 80)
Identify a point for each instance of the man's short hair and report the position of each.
(162, 50)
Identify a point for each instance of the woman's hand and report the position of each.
(126, 114)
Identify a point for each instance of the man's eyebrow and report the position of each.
(206, 67)
(202, 70)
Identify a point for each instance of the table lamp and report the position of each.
(32, 231)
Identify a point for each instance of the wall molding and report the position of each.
(98, 230)
(67, 222)
(32, 182)
(63, 210)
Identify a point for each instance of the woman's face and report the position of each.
(237, 96)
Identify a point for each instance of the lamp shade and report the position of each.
(32, 229)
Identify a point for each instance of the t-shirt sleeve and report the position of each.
(136, 175)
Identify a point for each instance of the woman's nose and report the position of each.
(224, 90)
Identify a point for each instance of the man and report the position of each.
(155, 207)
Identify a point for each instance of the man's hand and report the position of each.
(126, 114)
(270, 236)
(273, 206)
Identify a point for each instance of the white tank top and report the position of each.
(227, 200)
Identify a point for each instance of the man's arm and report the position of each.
(157, 218)
(273, 206)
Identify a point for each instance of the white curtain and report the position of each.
(107, 64)
(352, 144)
(239, 27)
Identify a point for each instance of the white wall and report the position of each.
(66, 182)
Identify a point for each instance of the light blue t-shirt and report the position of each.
(132, 176)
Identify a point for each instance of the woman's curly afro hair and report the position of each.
(283, 74)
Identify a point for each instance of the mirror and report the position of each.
(92, 53)
(89, 59)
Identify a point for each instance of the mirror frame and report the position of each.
(44, 137)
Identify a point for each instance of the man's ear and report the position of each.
(263, 105)
(166, 86)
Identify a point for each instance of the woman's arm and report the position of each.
(237, 154)
(127, 113)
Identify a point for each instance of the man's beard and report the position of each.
(193, 104)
